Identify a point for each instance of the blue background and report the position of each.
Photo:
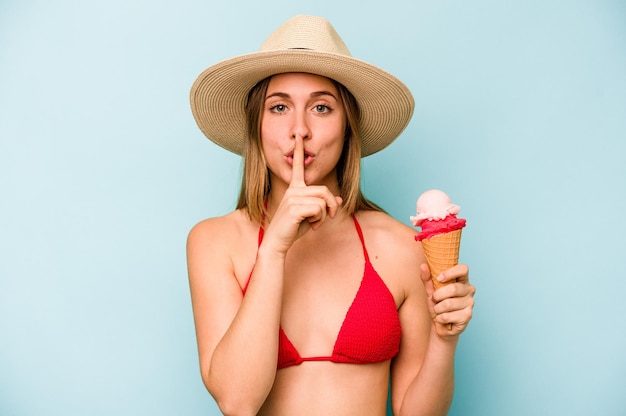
(520, 117)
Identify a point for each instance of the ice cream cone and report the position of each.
(442, 252)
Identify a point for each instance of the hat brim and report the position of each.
(218, 96)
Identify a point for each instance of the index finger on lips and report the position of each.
(297, 164)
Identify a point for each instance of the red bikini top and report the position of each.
(370, 332)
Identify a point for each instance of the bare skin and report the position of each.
(304, 277)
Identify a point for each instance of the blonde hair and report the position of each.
(255, 183)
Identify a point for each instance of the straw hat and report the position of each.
(302, 44)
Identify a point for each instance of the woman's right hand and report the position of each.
(302, 208)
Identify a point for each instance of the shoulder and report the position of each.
(211, 229)
(229, 240)
(232, 225)
(385, 234)
(374, 218)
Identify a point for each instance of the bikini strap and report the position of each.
(260, 239)
(358, 230)
(261, 233)
(261, 229)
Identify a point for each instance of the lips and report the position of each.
(308, 158)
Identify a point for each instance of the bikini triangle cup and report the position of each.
(370, 331)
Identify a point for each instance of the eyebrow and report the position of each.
(313, 95)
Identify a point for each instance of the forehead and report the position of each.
(298, 81)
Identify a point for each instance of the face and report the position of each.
(310, 106)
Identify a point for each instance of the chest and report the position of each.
(321, 287)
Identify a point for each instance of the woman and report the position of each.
(307, 298)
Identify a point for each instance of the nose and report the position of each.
(300, 126)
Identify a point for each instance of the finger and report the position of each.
(318, 216)
(445, 322)
(333, 202)
(334, 207)
(425, 273)
(458, 319)
(450, 305)
(297, 167)
(328, 206)
(458, 273)
(428, 283)
(458, 291)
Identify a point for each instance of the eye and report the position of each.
(278, 108)
(322, 108)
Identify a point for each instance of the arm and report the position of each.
(237, 336)
(423, 373)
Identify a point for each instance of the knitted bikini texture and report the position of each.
(370, 331)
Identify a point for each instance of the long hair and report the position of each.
(255, 182)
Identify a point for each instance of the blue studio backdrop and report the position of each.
(520, 116)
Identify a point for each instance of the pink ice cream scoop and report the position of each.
(436, 214)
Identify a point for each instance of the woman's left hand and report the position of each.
(450, 306)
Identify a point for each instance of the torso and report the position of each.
(323, 272)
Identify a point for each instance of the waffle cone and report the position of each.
(442, 252)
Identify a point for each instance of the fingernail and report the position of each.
(440, 277)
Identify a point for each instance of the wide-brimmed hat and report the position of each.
(302, 44)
